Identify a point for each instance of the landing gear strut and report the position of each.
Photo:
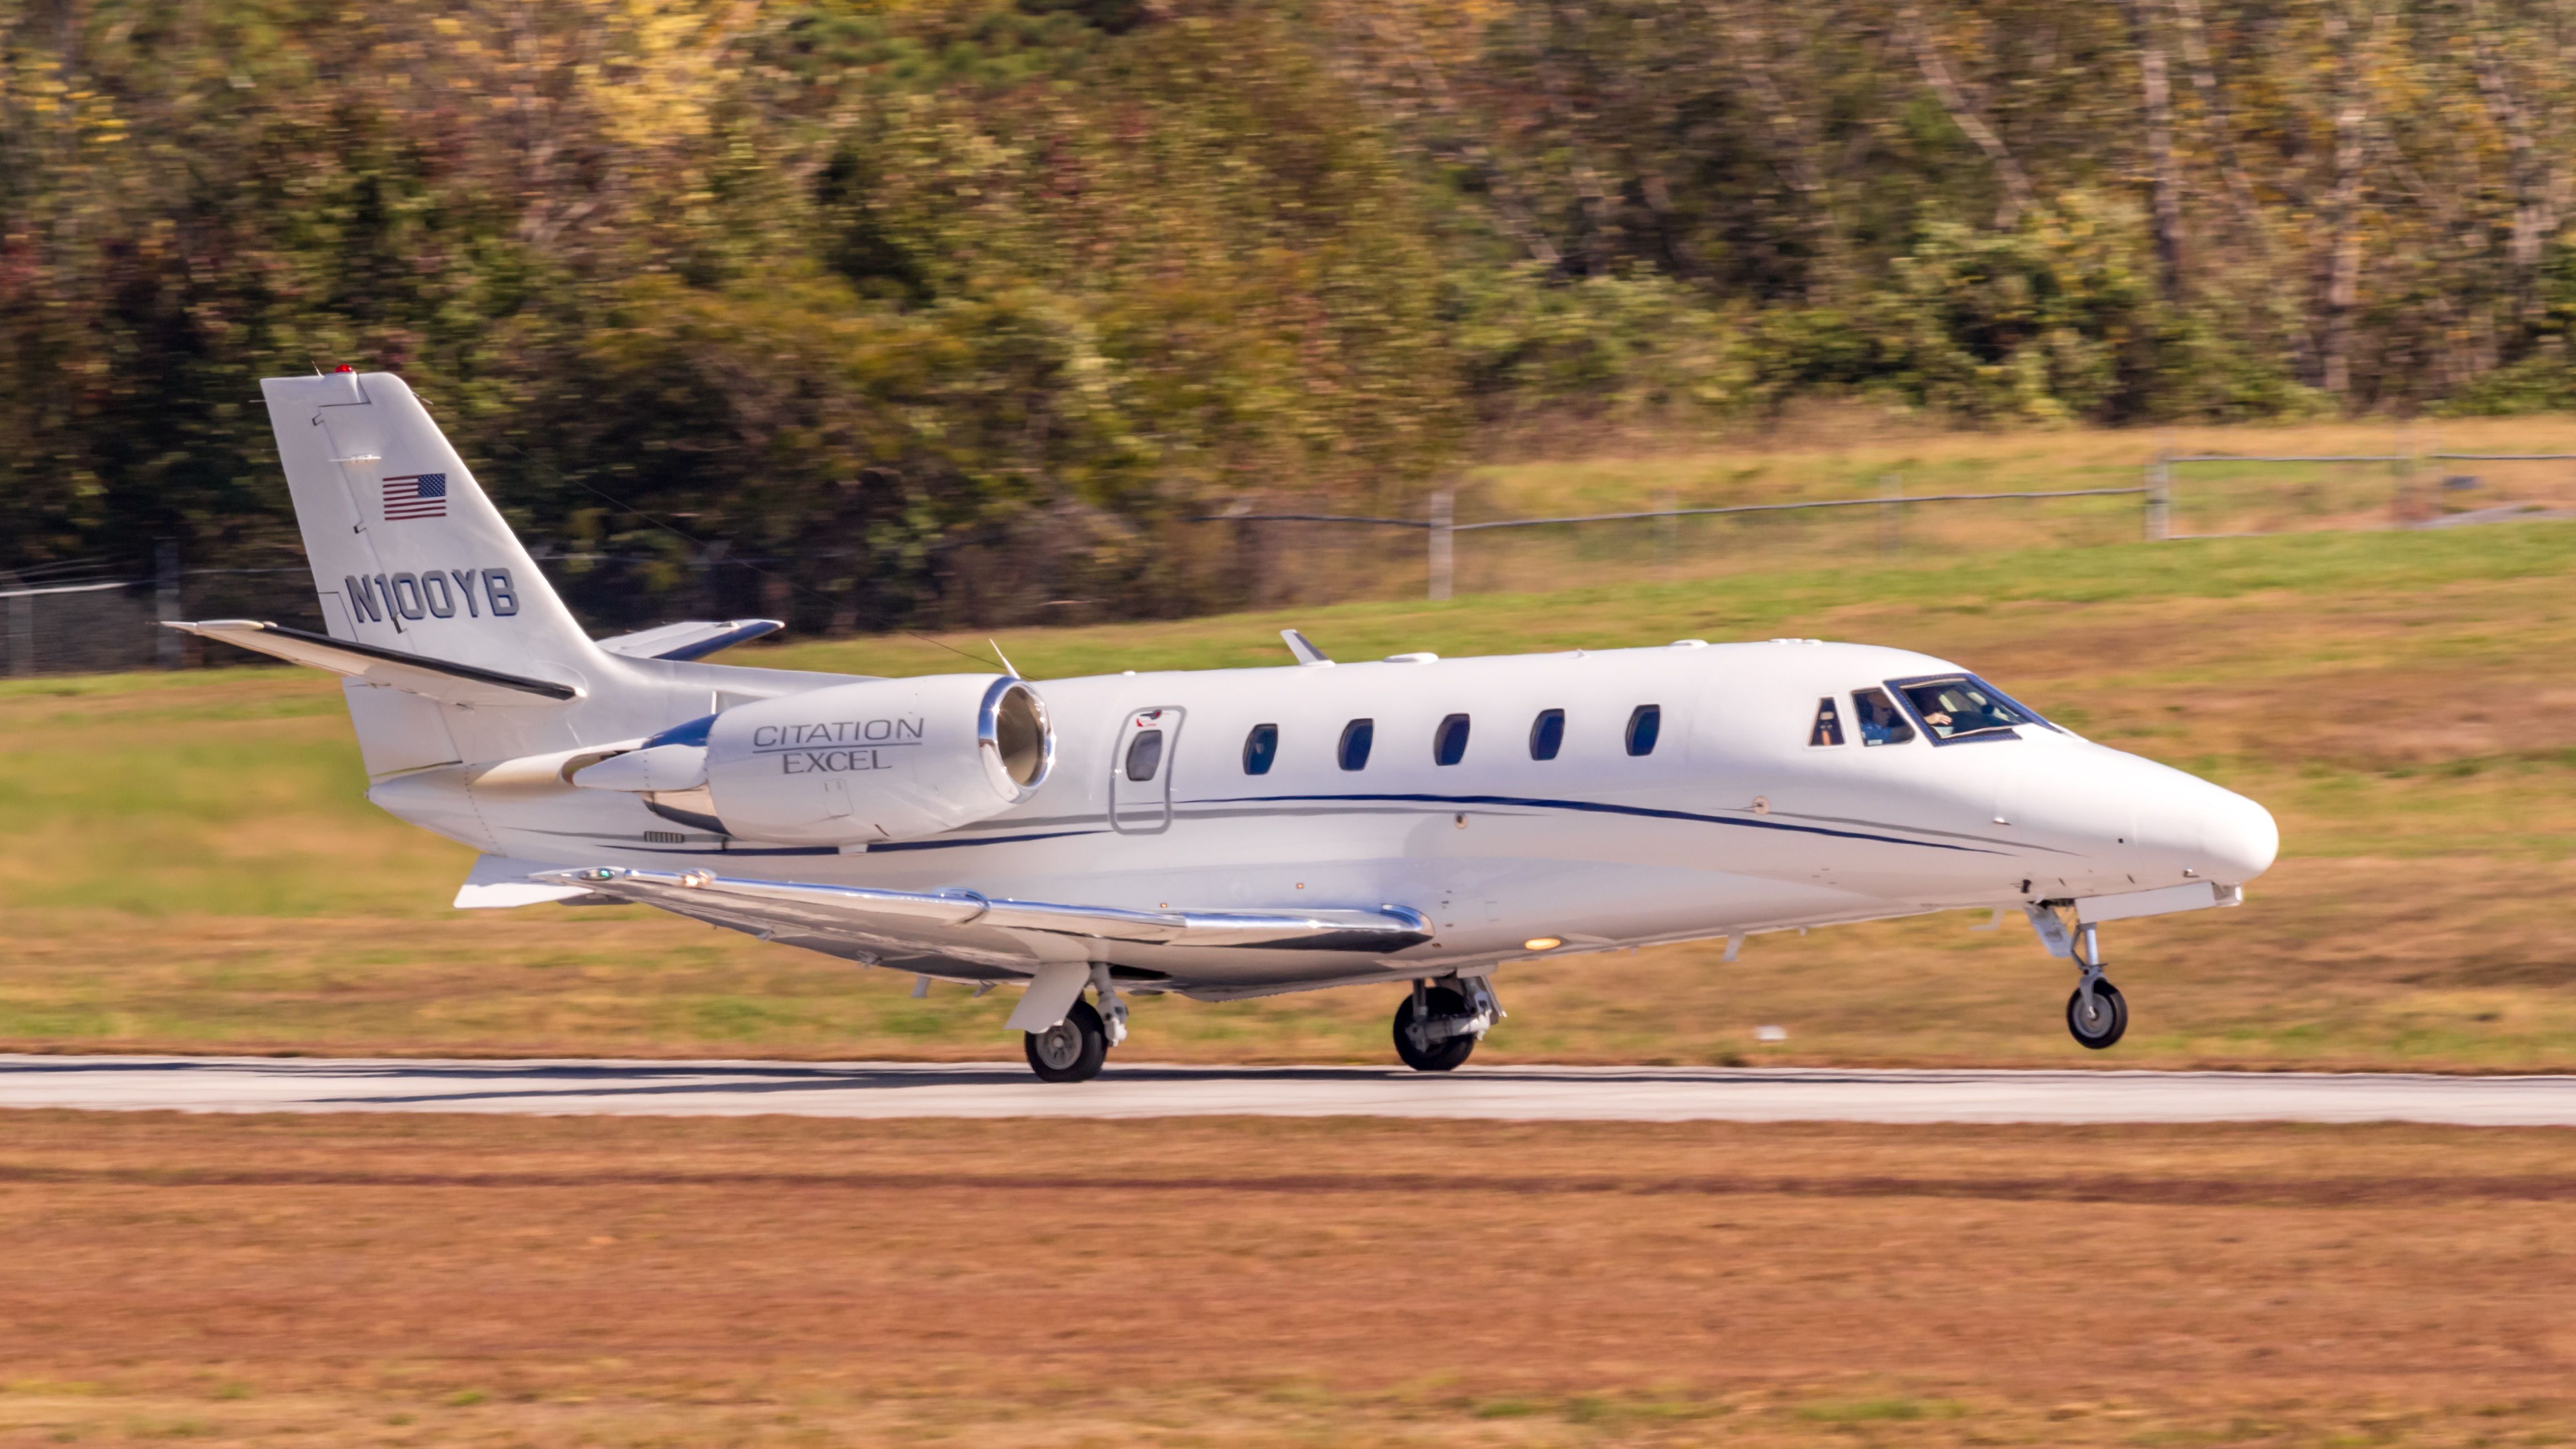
(2097, 1015)
(1438, 1026)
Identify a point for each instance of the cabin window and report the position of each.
(1958, 709)
(1645, 722)
(1144, 755)
(1259, 748)
(1828, 728)
(1877, 717)
(1547, 734)
(1357, 736)
(1449, 742)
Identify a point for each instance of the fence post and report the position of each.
(2406, 508)
(1891, 519)
(2157, 515)
(1444, 503)
(22, 630)
(166, 604)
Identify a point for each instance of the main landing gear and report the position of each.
(1438, 1026)
(1075, 1049)
(2096, 1014)
(1072, 1050)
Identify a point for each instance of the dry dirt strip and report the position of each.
(1502, 1093)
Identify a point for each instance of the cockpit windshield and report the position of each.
(1961, 706)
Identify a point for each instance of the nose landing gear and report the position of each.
(2097, 1015)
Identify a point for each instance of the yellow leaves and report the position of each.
(667, 66)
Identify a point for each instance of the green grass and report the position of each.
(2329, 567)
(192, 864)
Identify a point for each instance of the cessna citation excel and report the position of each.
(1415, 822)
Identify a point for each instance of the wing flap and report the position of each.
(828, 907)
(498, 883)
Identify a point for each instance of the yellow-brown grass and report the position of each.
(449, 1281)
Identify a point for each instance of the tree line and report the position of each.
(948, 311)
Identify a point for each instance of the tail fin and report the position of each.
(407, 552)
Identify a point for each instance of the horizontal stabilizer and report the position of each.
(693, 640)
(823, 908)
(437, 679)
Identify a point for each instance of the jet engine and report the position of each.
(887, 759)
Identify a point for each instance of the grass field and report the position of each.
(191, 867)
(774, 1282)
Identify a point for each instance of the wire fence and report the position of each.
(2195, 495)
(96, 616)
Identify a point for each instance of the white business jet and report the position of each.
(1415, 822)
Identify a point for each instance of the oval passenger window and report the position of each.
(1547, 734)
(1145, 755)
(1449, 742)
(1644, 723)
(1259, 748)
(1357, 736)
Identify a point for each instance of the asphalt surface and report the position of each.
(1630, 1094)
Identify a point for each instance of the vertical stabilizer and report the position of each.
(407, 551)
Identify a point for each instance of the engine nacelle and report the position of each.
(888, 759)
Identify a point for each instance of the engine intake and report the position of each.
(887, 759)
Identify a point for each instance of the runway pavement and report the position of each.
(1631, 1094)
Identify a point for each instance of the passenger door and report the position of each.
(1140, 772)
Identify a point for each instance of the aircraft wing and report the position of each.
(439, 679)
(695, 639)
(1003, 937)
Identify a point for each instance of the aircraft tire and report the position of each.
(2110, 1021)
(1072, 1050)
(1441, 1056)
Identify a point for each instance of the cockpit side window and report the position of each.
(1962, 708)
(1878, 719)
(1828, 728)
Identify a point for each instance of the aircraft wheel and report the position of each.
(1072, 1050)
(1438, 1056)
(2105, 1024)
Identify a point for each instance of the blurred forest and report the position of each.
(944, 311)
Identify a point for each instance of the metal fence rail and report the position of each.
(1442, 527)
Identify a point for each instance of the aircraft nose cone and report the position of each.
(2238, 837)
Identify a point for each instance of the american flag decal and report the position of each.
(416, 495)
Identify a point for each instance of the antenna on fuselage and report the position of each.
(1008, 667)
(1303, 647)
